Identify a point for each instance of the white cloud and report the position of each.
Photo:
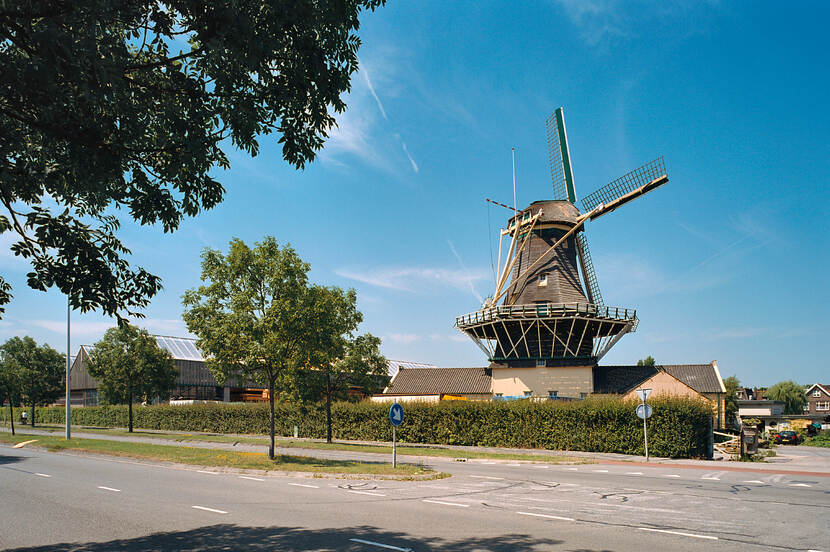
(365, 72)
(409, 156)
(415, 279)
(403, 338)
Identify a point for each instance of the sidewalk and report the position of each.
(814, 462)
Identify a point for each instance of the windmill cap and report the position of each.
(553, 210)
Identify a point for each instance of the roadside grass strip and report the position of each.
(353, 447)
(221, 458)
(681, 533)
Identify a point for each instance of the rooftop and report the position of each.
(437, 381)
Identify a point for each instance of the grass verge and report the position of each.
(316, 445)
(220, 458)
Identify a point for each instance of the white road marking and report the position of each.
(670, 475)
(24, 443)
(446, 503)
(381, 545)
(205, 471)
(711, 478)
(548, 516)
(209, 510)
(754, 481)
(250, 478)
(304, 485)
(43, 474)
(799, 485)
(541, 467)
(110, 489)
(513, 465)
(366, 493)
(633, 473)
(709, 537)
(487, 477)
(572, 469)
(600, 471)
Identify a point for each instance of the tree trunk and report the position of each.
(328, 409)
(130, 410)
(271, 385)
(33, 415)
(11, 413)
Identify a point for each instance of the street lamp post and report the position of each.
(68, 351)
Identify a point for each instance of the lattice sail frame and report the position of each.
(559, 171)
(625, 184)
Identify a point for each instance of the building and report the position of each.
(436, 384)
(818, 400)
(194, 383)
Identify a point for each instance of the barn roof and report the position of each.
(437, 381)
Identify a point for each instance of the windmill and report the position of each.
(547, 309)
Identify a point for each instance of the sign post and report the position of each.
(644, 412)
(396, 417)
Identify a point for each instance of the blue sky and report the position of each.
(728, 261)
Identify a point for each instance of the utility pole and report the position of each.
(68, 367)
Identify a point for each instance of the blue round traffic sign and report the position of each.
(643, 410)
(396, 414)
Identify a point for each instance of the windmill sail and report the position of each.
(560, 158)
(588, 273)
(627, 187)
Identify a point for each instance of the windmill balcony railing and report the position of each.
(546, 310)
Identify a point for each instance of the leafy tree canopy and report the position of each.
(648, 361)
(791, 394)
(260, 321)
(732, 385)
(129, 105)
(36, 373)
(130, 366)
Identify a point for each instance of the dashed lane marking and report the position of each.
(682, 534)
(487, 477)
(447, 503)
(208, 472)
(214, 510)
(366, 493)
(572, 469)
(633, 473)
(600, 471)
(304, 485)
(671, 475)
(249, 478)
(381, 545)
(541, 467)
(799, 485)
(109, 489)
(754, 481)
(43, 474)
(711, 478)
(547, 516)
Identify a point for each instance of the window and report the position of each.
(823, 405)
(817, 393)
(540, 362)
(553, 394)
(583, 395)
(499, 394)
(543, 280)
(528, 393)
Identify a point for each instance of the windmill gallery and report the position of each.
(546, 327)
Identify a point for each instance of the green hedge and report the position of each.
(678, 427)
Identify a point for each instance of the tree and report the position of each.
(732, 384)
(37, 372)
(9, 382)
(791, 394)
(130, 366)
(359, 364)
(648, 361)
(132, 104)
(258, 318)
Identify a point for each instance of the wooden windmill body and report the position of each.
(546, 325)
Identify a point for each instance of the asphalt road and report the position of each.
(63, 502)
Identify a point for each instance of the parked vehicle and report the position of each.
(787, 437)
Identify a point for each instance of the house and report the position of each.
(680, 380)
(435, 384)
(194, 383)
(818, 400)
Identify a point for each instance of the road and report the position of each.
(62, 502)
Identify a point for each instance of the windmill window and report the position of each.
(543, 280)
(528, 393)
(540, 362)
(553, 394)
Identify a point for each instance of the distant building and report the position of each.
(194, 383)
(818, 400)
(435, 384)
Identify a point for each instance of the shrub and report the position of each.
(677, 427)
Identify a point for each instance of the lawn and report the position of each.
(218, 458)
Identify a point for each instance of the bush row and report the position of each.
(678, 427)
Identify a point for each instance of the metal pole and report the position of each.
(68, 414)
(394, 447)
(645, 429)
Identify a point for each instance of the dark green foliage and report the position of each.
(677, 428)
(131, 367)
(648, 361)
(732, 384)
(791, 394)
(132, 105)
(35, 374)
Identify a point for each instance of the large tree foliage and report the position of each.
(37, 372)
(339, 361)
(130, 367)
(791, 394)
(732, 385)
(9, 382)
(131, 104)
(648, 361)
(259, 320)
